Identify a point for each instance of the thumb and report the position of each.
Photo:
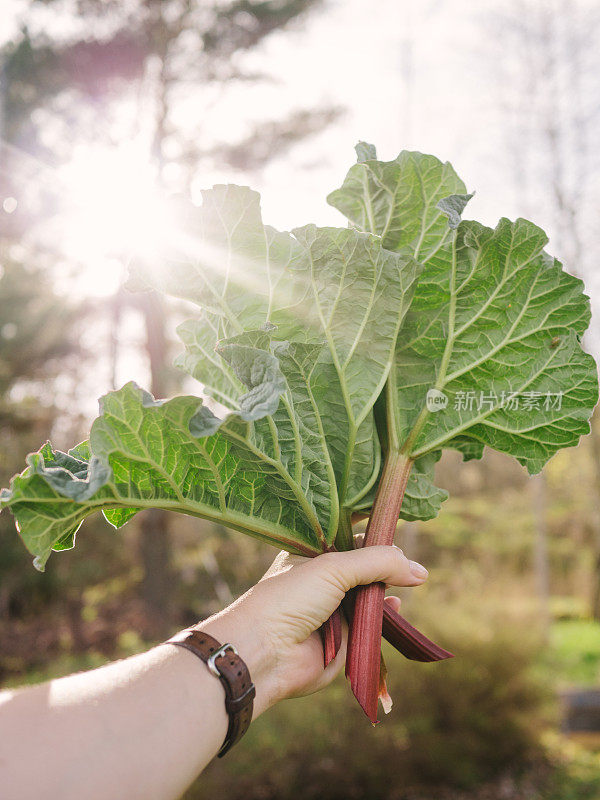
(369, 565)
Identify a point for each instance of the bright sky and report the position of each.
(411, 76)
(405, 72)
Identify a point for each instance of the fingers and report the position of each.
(369, 565)
(394, 603)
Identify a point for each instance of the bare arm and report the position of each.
(146, 726)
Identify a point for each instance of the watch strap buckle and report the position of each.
(213, 668)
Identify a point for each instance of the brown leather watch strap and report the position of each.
(233, 674)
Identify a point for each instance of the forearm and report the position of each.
(145, 727)
(139, 728)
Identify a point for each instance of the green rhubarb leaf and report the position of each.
(398, 200)
(200, 359)
(453, 207)
(496, 339)
(49, 499)
(492, 316)
(330, 285)
(356, 298)
(178, 456)
(365, 152)
(229, 263)
(299, 441)
(422, 498)
(461, 336)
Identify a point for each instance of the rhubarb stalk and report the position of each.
(331, 636)
(402, 636)
(408, 640)
(364, 645)
(396, 630)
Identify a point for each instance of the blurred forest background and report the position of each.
(113, 114)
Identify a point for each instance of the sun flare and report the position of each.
(115, 211)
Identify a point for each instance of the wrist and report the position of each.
(258, 655)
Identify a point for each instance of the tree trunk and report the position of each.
(155, 539)
(541, 558)
(157, 584)
(595, 593)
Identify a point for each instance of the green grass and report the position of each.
(573, 656)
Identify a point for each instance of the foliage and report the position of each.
(195, 44)
(319, 342)
(33, 325)
(37, 341)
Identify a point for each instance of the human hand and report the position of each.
(275, 624)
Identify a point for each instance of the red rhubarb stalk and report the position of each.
(408, 640)
(402, 636)
(331, 636)
(364, 644)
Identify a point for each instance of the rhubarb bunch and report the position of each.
(335, 366)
